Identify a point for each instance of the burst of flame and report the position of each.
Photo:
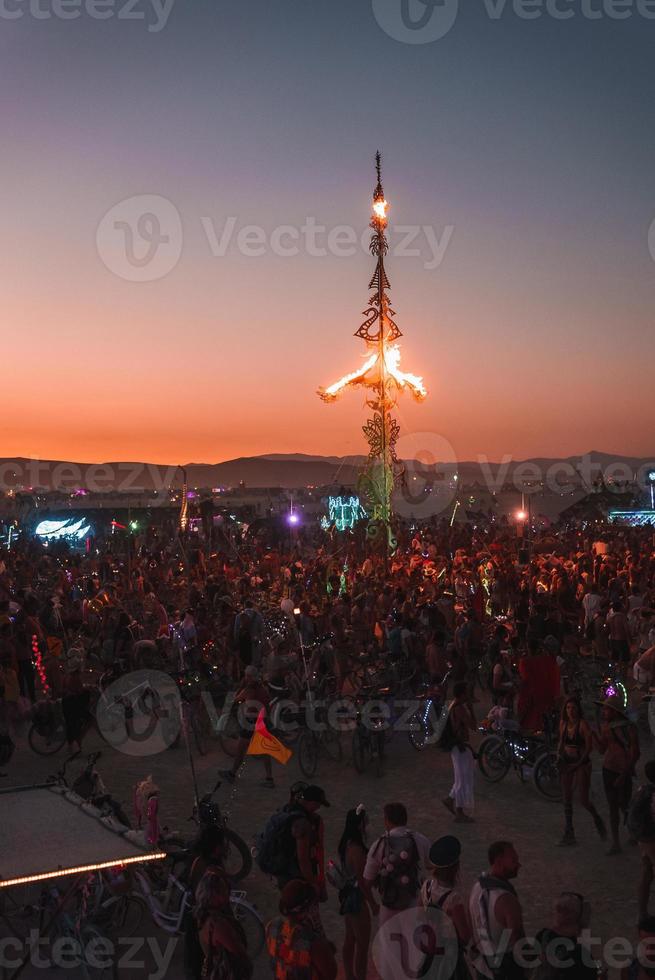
(402, 379)
(380, 208)
(391, 357)
(357, 377)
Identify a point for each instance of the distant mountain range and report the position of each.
(290, 471)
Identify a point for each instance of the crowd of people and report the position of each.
(495, 620)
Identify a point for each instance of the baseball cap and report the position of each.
(314, 794)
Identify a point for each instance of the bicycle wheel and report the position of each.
(420, 731)
(249, 919)
(546, 776)
(308, 754)
(361, 751)
(332, 745)
(120, 916)
(238, 859)
(47, 742)
(98, 960)
(494, 759)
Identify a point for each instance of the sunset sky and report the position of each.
(533, 139)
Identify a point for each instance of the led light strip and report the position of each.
(82, 868)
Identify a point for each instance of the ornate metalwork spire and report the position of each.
(381, 374)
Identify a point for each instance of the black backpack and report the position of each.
(275, 846)
(398, 881)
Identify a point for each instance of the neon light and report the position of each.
(343, 513)
(38, 663)
(82, 869)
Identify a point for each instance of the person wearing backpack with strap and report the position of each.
(440, 892)
(393, 867)
(291, 846)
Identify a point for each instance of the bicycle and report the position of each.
(369, 740)
(169, 907)
(313, 743)
(57, 922)
(238, 857)
(529, 756)
(429, 720)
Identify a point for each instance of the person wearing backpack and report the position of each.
(393, 867)
(440, 893)
(497, 917)
(291, 846)
(641, 826)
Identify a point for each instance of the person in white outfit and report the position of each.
(462, 723)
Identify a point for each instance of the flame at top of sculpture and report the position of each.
(379, 330)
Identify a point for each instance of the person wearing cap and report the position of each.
(618, 740)
(440, 891)
(295, 947)
(306, 836)
(249, 700)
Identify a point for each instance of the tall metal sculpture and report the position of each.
(381, 376)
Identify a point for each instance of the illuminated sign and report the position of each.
(343, 513)
(68, 528)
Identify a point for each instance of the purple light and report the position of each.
(293, 518)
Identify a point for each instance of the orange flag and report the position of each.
(263, 743)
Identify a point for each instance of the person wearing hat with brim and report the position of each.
(440, 891)
(618, 740)
(295, 946)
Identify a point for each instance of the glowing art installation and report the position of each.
(380, 374)
(343, 513)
